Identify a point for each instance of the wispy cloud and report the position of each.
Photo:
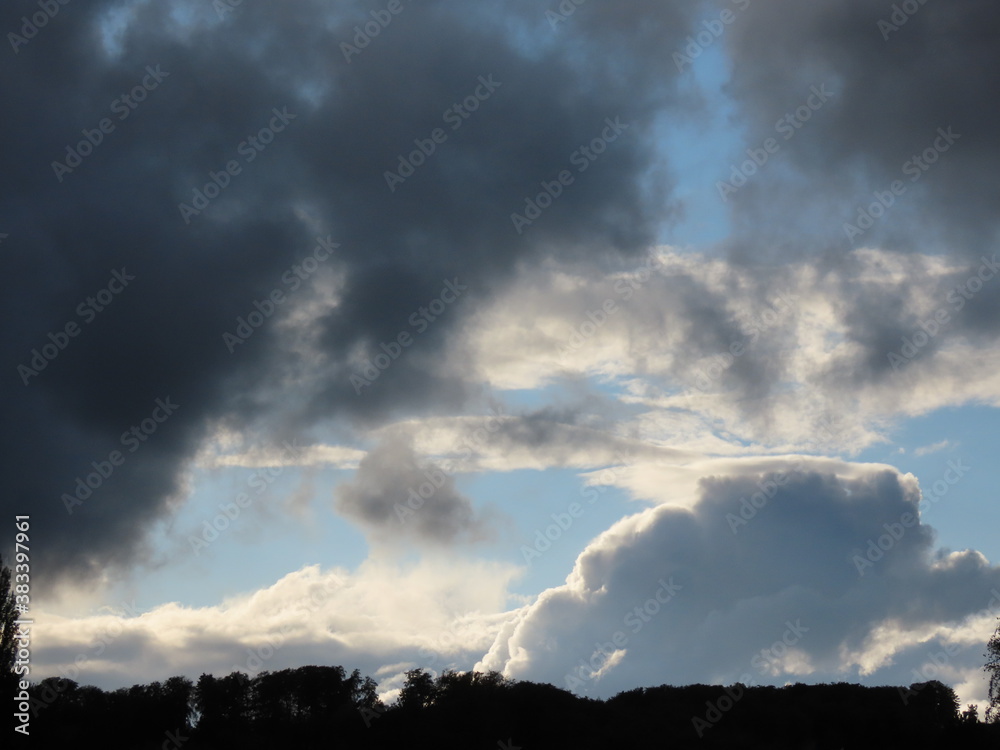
(934, 448)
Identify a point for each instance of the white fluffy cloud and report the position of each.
(811, 570)
(436, 613)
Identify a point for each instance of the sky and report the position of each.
(600, 344)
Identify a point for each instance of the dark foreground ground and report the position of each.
(323, 707)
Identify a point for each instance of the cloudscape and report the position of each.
(603, 344)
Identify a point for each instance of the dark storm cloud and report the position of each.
(348, 123)
(909, 104)
(892, 91)
(321, 174)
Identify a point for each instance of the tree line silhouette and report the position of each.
(323, 707)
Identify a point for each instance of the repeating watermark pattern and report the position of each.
(563, 12)
(786, 126)
(768, 486)
(901, 13)
(415, 499)
(258, 655)
(123, 106)
(222, 7)
(915, 168)
(114, 631)
(250, 149)
(553, 532)
(937, 661)
(987, 271)
(173, 740)
(132, 439)
(782, 304)
(258, 481)
(444, 643)
(914, 344)
(635, 619)
(749, 507)
(455, 116)
(765, 661)
(769, 660)
(625, 287)
(827, 427)
(696, 44)
(596, 320)
(370, 713)
(931, 669)
(420, 320)
(51, 690)
(581, 158)
(87, 310)
(935, 323)
(48, 9)
(436, 476)
(877, 548)
(363, 34)
(50, 693)
(545, 538)
(293, 278)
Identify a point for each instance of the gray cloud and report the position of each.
(322, 175)
(897, 81)
(398, 496)
(891, 96)
(757, 551)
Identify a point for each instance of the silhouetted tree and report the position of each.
(273, 705)
(8, 613)
(993, 667)
(176, 702)
(223, 702)
(364, 692)
(935, 704)
(319, 691)
(418, 690)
